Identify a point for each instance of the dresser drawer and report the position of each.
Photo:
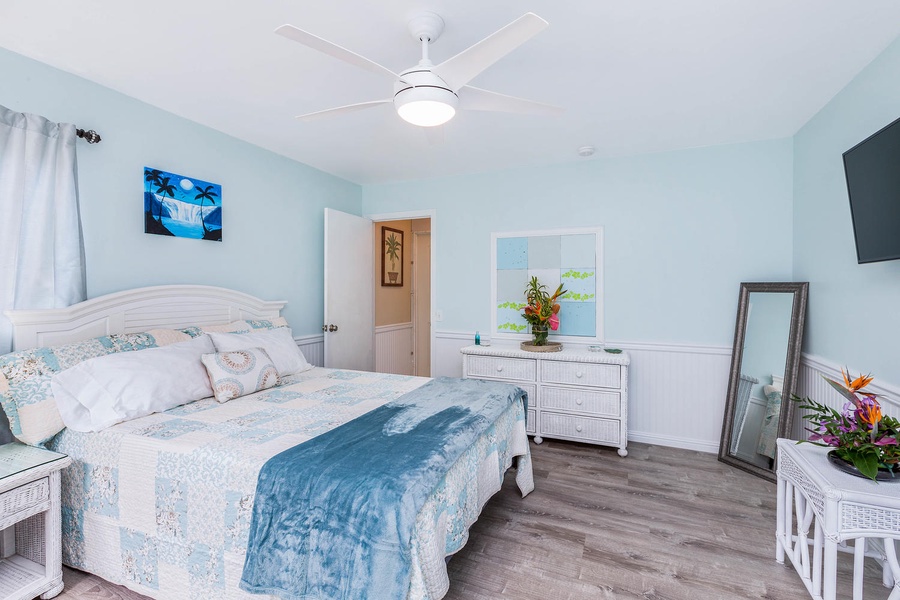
(520, 369)
(530, 422)
(595, 402)
(24, 497)
(592, 429)
(596, 375)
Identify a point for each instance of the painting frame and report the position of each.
(391, 252)
(181, 206)
(575, 280)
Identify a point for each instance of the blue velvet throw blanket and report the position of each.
(333, 517)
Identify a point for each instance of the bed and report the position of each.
(162, 504)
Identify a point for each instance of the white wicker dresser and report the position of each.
(30, 542)
(572, 395)
(840, 508)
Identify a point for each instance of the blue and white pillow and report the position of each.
(25, 393)
(240, 372)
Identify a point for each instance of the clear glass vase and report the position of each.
(539, 333)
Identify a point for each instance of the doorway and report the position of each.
(402, 299)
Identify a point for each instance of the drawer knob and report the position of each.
(578, 428)
(500, 368)
(578, 374)
(578, 402)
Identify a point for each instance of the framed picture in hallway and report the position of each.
(181, 206)
(391, 257)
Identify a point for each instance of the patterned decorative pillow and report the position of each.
(240, 372)
(25, 392)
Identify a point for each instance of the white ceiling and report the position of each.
(634, 76)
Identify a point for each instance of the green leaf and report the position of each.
(866, 462)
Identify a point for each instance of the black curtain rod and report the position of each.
(91, 136)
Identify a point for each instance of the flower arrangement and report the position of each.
(541, 310)
(860, 434)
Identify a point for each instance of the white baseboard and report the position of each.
(673, 442)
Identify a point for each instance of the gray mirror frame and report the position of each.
(791, 368)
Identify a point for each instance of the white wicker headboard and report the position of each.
(140, 309)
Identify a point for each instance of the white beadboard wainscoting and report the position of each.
(811, 384)
(394, 349)
(313, 348)
(676, 393)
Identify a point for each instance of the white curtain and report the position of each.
(41, 244)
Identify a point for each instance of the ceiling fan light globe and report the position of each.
(426, 113)
(426, 106)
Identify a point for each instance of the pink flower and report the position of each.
(554, 322)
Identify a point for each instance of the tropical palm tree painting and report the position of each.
(391, 257)
(181, 206)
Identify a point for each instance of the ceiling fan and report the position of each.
(427, 94)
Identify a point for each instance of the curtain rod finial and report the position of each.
(91, 136)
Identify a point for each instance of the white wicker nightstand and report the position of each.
(841, 507)
(30, 540)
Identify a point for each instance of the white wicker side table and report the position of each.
(840, 507)
(30, 540)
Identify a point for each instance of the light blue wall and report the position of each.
(272, 206)
(854, 310)
(682, 230)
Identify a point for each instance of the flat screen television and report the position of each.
(872, 168)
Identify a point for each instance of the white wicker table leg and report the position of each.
(859, 557)
(829, 573)
(890, 552)
(817, 560)
(52, 593)
(779, 521)
(801, 548)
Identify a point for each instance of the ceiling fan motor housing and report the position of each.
(422, 98)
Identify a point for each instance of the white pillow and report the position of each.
(103, 391)
(278, 343)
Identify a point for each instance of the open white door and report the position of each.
(349, 289)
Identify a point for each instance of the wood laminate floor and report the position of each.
(660, 524)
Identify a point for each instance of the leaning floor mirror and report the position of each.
(764, 365)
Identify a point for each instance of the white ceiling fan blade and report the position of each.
(341, 110)
(326, 47)
(462, 68)
(472, 98)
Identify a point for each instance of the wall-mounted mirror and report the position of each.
(764, 366)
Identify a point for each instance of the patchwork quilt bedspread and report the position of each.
(162, 504)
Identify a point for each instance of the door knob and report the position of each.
(332, 328)
(324, 327)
